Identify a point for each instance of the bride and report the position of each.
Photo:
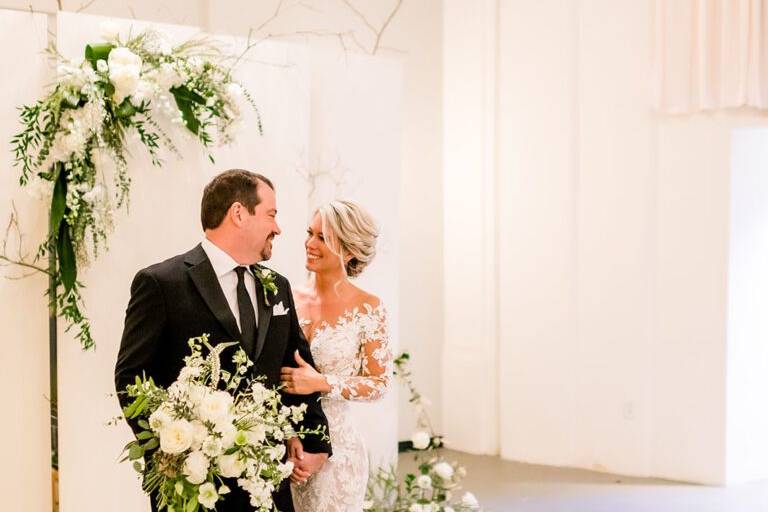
(347, 331)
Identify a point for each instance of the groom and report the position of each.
(212, 289)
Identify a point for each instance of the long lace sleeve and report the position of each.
(376, 363)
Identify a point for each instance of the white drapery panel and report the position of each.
(710, 54)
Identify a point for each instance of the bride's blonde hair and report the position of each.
(349, 230)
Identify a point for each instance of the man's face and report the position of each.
(260, 228)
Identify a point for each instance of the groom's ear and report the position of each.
(235, 213)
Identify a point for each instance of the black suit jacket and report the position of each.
(181, 298)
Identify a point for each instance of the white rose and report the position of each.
(124, 71)
(230, 466)
(125, 80)
(110, 31)
(215, 407)
(443, 470)
(424, 482)
(420, 440)
(207, 495)
(469, 500)
(196, 468)
(176, 437)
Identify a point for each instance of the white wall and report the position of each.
(24, 313)
(613, 245)
(747, 352)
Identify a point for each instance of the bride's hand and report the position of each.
(302, 380)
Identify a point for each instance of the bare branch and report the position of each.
(378, 33)
(85, 6)
(14, 228)
(360, 15)
(386, 24)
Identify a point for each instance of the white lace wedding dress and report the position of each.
(356, 359)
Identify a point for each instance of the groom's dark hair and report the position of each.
(232, 186)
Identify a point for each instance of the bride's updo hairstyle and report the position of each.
(349, 231)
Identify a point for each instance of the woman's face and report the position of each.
(320, 258)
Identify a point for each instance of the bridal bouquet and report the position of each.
(208, 425)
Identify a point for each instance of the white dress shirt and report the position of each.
(224, 268)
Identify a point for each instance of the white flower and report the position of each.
(223, 490)
(367, 505)
(188, 373)
(110, 31)
(443, 470)
(256, 434)
(230, 466)
(234, 91)
(228, 433)
(276, 452)
(207, 495)
(176, 437)
(196, 468)
(195, 64)
(124, 71)
(448, 509)
(212, 446)
(215, 407)
(168, 76)
(96, 193)
(199, 434)
(39, 188)
(424, 482)
(469, 500)
(159, 419)
(286, 469)
(260, 392)
(195, 394)
(101, 66)
(420, 440)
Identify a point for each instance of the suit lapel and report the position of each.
(265, 315)
(207, 284)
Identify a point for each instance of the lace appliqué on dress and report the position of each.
(356, 359)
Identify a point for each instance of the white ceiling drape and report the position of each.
(710, 54)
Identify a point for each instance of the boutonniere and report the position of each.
(267, 279)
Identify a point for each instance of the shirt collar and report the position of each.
(221, 262)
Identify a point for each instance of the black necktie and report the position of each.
(247, 315)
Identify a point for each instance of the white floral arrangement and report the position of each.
(119, 91)
(209, 425)
(436, 486)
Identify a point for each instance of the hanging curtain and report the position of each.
(710, 54)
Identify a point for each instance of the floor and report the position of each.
(503, 486)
